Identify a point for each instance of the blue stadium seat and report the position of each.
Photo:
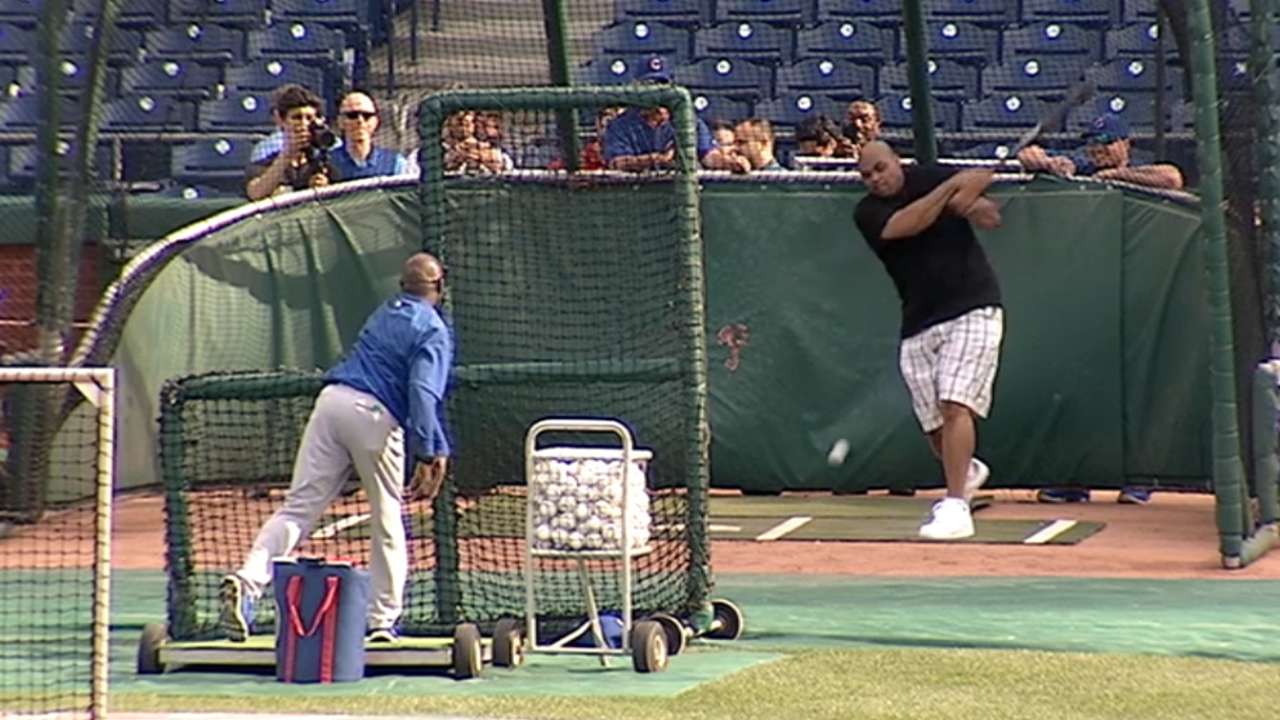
(196, 41)
(25, 13)
(1002, 112)
(180, 78)
(24, 162)
(895, 112)
(214, 161)
(1182, 117)
(685, 13)
(642, 37)
(948, 79)
(789, 12)
(859, 42)
(959, 41)
(351, 15)
(1051, 38)
(719, 107)
(731, 77)
(1098, 14)
(1134, 75)
(1137, 40)
(611, 70)
(1234, 75)
(137, 14)
(148, 113)
(833, 77)
(298, 40)
(17, 44)
(123, 48)
(73, 78)
(264, 76)
(250, 14)
(745, 39)
(1137, 110)
(985, 13)
(792, 109)
(882, 13)
(236, 113)
(1044, 78)
(22, 113)
(981, 150)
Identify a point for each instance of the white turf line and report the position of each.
(1049, 532)
(332, 529)
(785, 527)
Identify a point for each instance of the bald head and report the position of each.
(881, 168)
(423, 275)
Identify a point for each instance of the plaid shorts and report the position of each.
(954, 361)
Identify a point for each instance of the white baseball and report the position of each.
(839, 450)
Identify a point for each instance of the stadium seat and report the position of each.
(1003, 112)
(214, 161)
(611, 70)
(24, 162)
(148, 113)
(792, 109)
(196, 41)
(745, 39)
(641, 37)
(180, 78)
(947, 79)
(833, 77)
(236, 113)
(24, 13)
(264, 76)
(1044, 78)
(895, 112)
(882, 13)
(684, 13)
(1234, 75)
(1137, 110)
(740, 79)
(22, 114)
(719, 107)
(73, 78)
(250, 14)
(1137, 40)
(982, 150)
(859, 42)
(1051, 38)
(985, 13)
(350, 15)
(1134, 75)
(787, 12)
(123, 47)
(1098, 14)
(962, 42)
(135, 14)
(17, 44)
(301, 41)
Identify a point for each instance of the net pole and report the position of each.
(178, 540)
(103, 396)
(1266, 465)
(918, 71)
(1265, 93)
(1228, 471)
(555, 19)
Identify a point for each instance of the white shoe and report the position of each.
(950, 520)
(977, 476)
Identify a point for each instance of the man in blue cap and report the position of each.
(1106, 155)
(643, 139)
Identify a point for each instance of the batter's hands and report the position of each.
(428, 476)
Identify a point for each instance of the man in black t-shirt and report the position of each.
(918, 220)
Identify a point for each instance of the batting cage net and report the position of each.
(571, 294)
(55, 524)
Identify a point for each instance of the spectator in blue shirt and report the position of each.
(358, 157)
(1107, 155)
(643, 138)
(382, 399)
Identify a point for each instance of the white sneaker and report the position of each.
(950, 520)
(976, 478)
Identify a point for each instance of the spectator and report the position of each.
(643, 139)
(592, 155)
(863, 127)
(358, 157)
(301, 162)
(814, 138)
(489, 133)
(1106, 156)
(722, 133)
(465, 152)
(755, 142)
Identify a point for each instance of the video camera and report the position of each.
(321, 141)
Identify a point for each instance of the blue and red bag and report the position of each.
(320, 618)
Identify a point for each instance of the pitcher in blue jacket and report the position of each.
(391, 385)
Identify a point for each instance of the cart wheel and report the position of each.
(677, 636)
(508, 643)
(154, 635)
(728, 622)
(467, 661)
(648, 647)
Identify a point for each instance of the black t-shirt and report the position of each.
(942, 273)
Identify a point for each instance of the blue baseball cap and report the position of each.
(1106, 129)
(655, 70)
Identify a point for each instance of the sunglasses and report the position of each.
(359, 115)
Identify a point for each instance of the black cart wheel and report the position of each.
(154, 636)
(727, 622)
(508, 643)
(648, 647)
(677, 636)
(467, 660)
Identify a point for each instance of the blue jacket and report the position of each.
(402, 357)
(629, 135)
(380, 161)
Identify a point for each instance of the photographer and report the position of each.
(302, 161)
(359, 157)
